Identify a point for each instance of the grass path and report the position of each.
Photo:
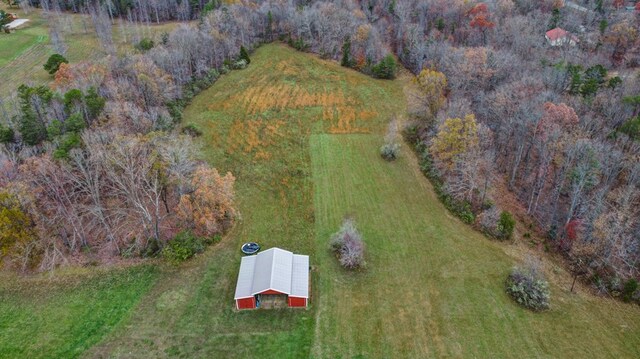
(64, 316)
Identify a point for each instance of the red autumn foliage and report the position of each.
(572, 228)
(481, 22)
(479, 9)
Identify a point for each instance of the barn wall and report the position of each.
(246, 303)
(297, 302)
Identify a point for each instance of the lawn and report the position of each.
(63, 316)
(257, 123)
(302, 137)
(433, 287)
(24, 51)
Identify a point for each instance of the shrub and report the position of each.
(528, 288)
(244, 55)
(298, 44)
(629, 289)
(347, 244)
(506, 224)
(182, 247)
(240, 64)
(632, 128)
(346, 53)
(7, 134)
(68, 142)
(192, 130)
(165, 38)
(488, 221)
(390, 151)
(386, 68)
(145, 44)
(53, 63)
(16, 225)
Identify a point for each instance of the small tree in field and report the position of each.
(347, 244)
(390, 150)
(528, 287)
(54, 62)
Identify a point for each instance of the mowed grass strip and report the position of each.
(64, 317)
(433, 287)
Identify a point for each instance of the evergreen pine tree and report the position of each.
(31, 125)
(346, 52)
(244, 55)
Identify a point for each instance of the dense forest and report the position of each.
(99, 160)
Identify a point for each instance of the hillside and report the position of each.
(433, 287)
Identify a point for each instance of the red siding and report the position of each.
(269, 291)
(246, 303)
(297, 302)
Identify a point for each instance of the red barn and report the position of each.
(273, 275)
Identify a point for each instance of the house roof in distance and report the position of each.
(16, 23)
(556, 34)
(274, 269)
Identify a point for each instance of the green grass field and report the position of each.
(434, 287)
(62, 317)
(24, 51)
(302, 137)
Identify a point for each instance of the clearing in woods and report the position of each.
(302, 136)
(25, 50)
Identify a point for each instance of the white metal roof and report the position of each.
(274, 269)
(16, 23)
(300, 276)
(245, 277)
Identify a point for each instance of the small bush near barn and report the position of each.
(528, 287)
(347, 244)
(182, 247)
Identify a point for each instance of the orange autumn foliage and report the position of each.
(64, 76)
(209, 208)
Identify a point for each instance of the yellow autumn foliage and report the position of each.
(16, 226)
(209, 209)
(433, 85)
(456, 137)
